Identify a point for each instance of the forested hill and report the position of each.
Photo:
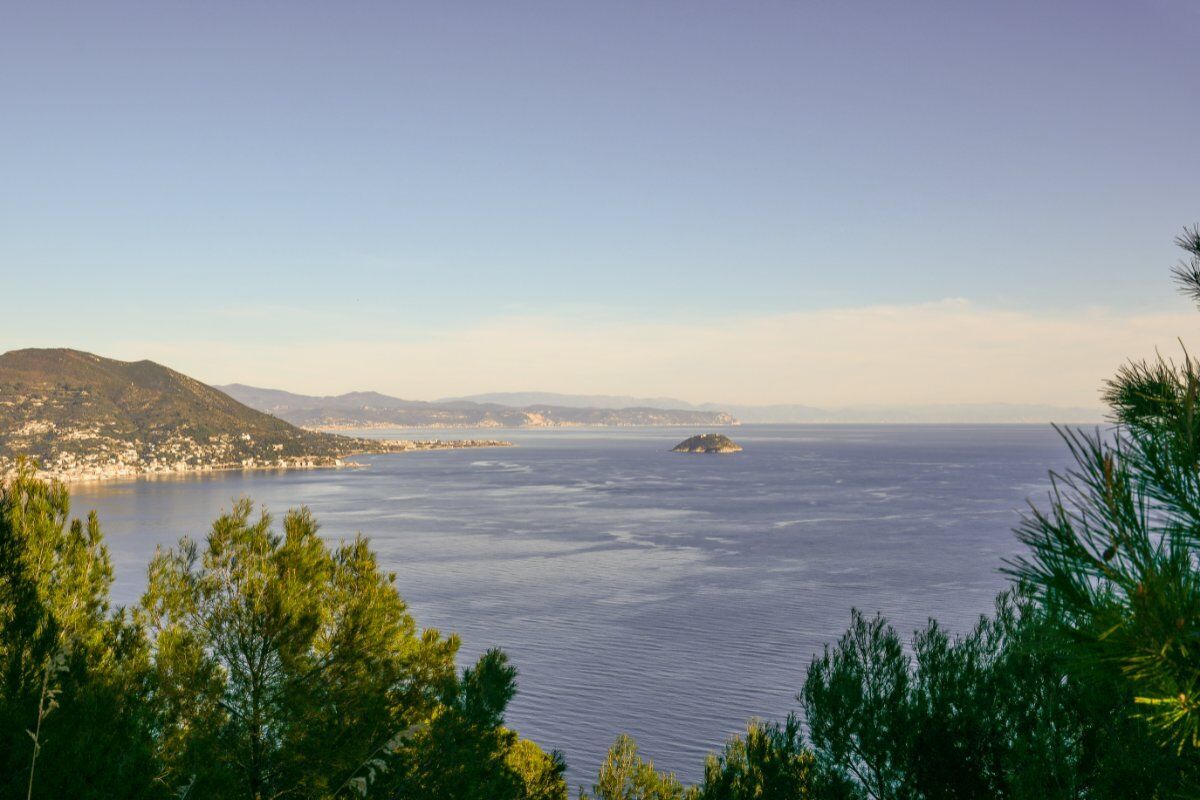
(371, 409)
(80, 414)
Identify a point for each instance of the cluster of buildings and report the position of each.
(74, 454)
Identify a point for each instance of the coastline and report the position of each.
(485, 425)
(129, 472)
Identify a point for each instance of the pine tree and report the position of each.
(74, 714)
(465, 752)
(284, 666)
(1114, 558)
(771, 760)
(624, 775)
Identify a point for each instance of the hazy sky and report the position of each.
(826, 203)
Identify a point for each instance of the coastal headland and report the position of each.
(76, 416)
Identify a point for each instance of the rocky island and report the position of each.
(707, 443)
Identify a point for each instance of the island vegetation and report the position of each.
(265, 663)
(707, 443)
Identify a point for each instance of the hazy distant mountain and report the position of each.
(977, 413)
(795, 413)
(81, 414)
(370, 409)
(275, 401)
(521, 399)
(776, 413)
(540, 409)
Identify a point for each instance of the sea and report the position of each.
(671, 597)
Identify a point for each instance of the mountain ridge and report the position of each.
(566, 400)
(374, 410)
(798, 413)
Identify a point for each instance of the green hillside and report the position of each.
(77, 412)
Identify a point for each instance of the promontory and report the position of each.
(78, 416)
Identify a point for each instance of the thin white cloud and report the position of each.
(950, 351)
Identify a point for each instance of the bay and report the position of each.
(668, 596)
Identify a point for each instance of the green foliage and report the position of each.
(541, 774)
(281, 664)
(1187, 271)
(1114, 557)
(466, 752)
(625, 776)
(770, 761)
(855, 700)
(73, 717)
(258, 665)
(994, 713)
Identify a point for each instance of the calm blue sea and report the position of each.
(668, 596)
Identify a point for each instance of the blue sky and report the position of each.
(238, 188)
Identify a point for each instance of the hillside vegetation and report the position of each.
(707, 443)
(79, 414)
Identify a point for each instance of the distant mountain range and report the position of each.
(961, 413)
(371, 409)
(978, 413)
(548, 409)
(523, 399)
